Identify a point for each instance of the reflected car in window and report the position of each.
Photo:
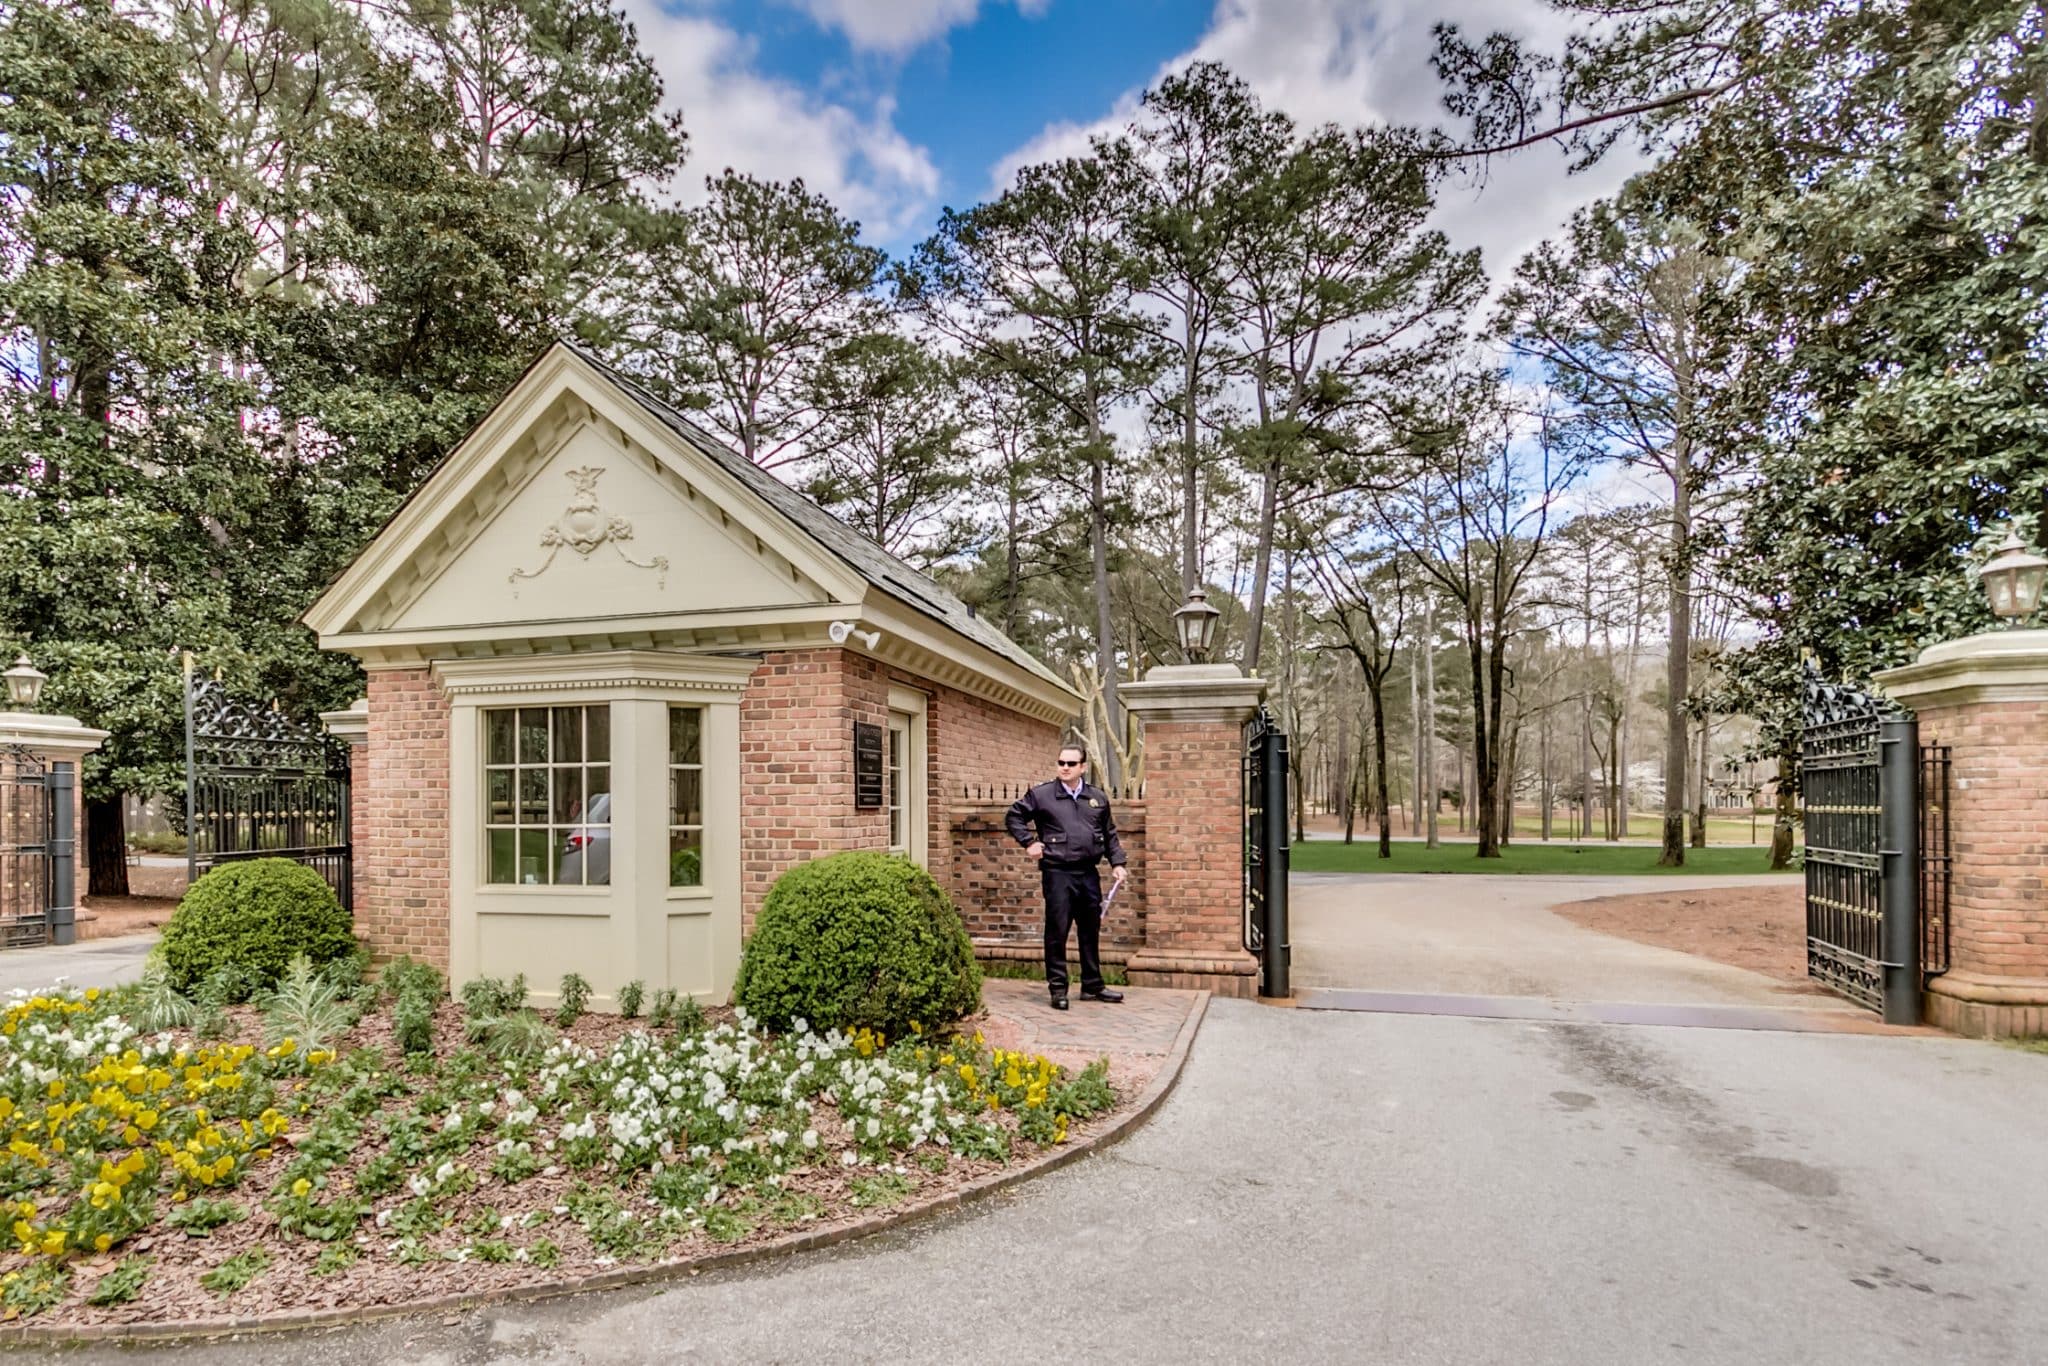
(586, 854)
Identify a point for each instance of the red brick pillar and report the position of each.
(1986, 698)
(53, 740)
(1194, 719)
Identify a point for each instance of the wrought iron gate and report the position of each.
(1266, 851)
(1877, 850)
(259, 784)
(38, 849)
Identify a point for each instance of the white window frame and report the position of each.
(909, 719)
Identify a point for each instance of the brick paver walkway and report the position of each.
(1144, 1025)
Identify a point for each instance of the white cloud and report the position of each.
(1338, 61)
(896, 27)
(775, 129)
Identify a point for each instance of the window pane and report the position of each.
(533, 796)
(598, 750)
(568, 734)
(536, 856)
(498, 798)
(685, 735)
(598, 782)
(498, 732)
(568, 796)
(533, 735)
(685, 797)
(686, 858)
(504, 860)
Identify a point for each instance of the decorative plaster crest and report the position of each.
(583, 527)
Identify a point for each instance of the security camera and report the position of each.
(840, 630)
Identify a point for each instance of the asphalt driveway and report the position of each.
(1496, 936)
(1378, 1188)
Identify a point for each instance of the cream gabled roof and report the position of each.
(513, 545)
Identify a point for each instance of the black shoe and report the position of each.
(1059, 1003)
(1106, 996)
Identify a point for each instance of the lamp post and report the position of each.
(1195, 624)
(24, 683)
(2012, 579)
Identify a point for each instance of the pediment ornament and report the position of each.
(584, 527)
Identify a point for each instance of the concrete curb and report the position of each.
(789, 1245)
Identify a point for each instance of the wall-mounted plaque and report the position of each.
(867, 766)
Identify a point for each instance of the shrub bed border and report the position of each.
(788, 1245)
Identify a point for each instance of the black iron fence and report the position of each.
(1877, 850)
(38, 849)
(260, 784)
(1937, 859)
(1266, 851)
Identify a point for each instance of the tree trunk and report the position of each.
(1781, 828)
(1699, 824)
(1262, 566)
(1379, 752)
(1013, 561)
(1543, 787)
(1433, 789)
(1190, 465)
(1344, 780)
(1415, 741)
(106, 846)
(1586, 769)
(1677, 664)
(1509, 759)
(1105, 634)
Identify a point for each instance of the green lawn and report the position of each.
(1334, 856)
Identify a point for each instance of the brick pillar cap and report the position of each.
(56, 738)
(352, 723)
(1194, 692)
(1996, 666)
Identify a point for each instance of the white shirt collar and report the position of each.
(1075, 790)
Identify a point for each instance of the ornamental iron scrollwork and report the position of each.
(1876, 812)
(262, 784)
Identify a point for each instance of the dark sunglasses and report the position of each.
(1070, 763)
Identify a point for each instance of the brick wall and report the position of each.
(1998, 826)
(796, 786)
(976, 744)
(796, 760)
(401, 819)
(997, 889)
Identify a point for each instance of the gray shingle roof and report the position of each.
(867, 559)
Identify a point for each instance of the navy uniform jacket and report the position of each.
(1077, 830)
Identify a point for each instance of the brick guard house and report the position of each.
(619, 679)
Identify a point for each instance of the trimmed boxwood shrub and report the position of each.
(254, 916)
(858, 939)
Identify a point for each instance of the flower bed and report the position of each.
(163, 1176)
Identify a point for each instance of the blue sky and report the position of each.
(985, 89)
(897, 108)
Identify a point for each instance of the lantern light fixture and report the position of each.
(2013, 579)
(24, 683)
(1195, 624)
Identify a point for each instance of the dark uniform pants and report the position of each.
(1073, 897)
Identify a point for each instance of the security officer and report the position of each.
(1065, 824)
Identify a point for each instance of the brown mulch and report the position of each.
(112, 917)
(288, 1284)
(1761, 929)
